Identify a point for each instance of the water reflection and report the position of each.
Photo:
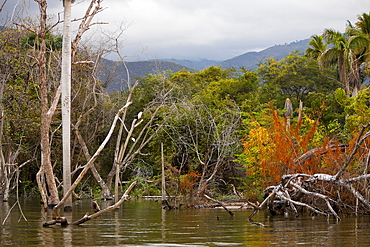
(144, 223)
(163, 224)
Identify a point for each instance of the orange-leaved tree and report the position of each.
(273, 148)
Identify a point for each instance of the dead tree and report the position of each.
(90, 163)
(294, 188)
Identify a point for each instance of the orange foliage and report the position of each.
(275, 150)
(188, 181)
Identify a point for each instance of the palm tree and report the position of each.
(363, 26)
(363, 23)
(316, 46)
(344, 52)
(335, 56)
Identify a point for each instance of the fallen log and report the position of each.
(62, 220)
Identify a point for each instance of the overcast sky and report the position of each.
(211, 29)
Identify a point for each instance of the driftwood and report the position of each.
(98, 211)
(280, 193)
(294, 187)
(220, 203)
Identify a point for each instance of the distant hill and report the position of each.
(114, 74)
(250, 60)
(194, 64)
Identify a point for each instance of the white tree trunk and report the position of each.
(66, 101)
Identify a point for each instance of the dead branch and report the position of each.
(26, 28)
(86, 23)
(360, 139)
(281, 193)
(100, 212)
(90, 162)
(282, 196)
(17, 202)
(2, 5)
(326, 198)
(316, 152)
(62, 220)
(267, 200)
(312, 185)
(355, 193)
(221, 203)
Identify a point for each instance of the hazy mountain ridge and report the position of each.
(115, 72)
(194, 64)
(250, 60)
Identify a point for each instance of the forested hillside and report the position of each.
(249, 60)
(297, 125)
(114, 73)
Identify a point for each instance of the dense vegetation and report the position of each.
(229, 132)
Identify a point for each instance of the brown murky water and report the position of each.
(144, 223)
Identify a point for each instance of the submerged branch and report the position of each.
(222, 205)
(98, 211)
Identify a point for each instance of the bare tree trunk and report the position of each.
(89, 163)
(288, 112)
(343, 75)
(120, 158)
(3, 169)
(106, 194)
(355, 78)
(164, 197)
(46, 167)
(66, 102)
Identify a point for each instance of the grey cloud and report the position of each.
(215, 29)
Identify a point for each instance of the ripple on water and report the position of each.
(146, 224)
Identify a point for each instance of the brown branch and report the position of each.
(25, 27)
(62, 220)
(221, 203)
(359, 141)
(313, 153)
(100, 212)
(2, 6)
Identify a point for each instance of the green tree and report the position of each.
(294, 77)
(343, 52)
(19, 108)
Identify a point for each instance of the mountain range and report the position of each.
(114, 73)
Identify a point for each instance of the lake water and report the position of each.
(144, 223)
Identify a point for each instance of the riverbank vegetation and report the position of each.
(298, 126)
